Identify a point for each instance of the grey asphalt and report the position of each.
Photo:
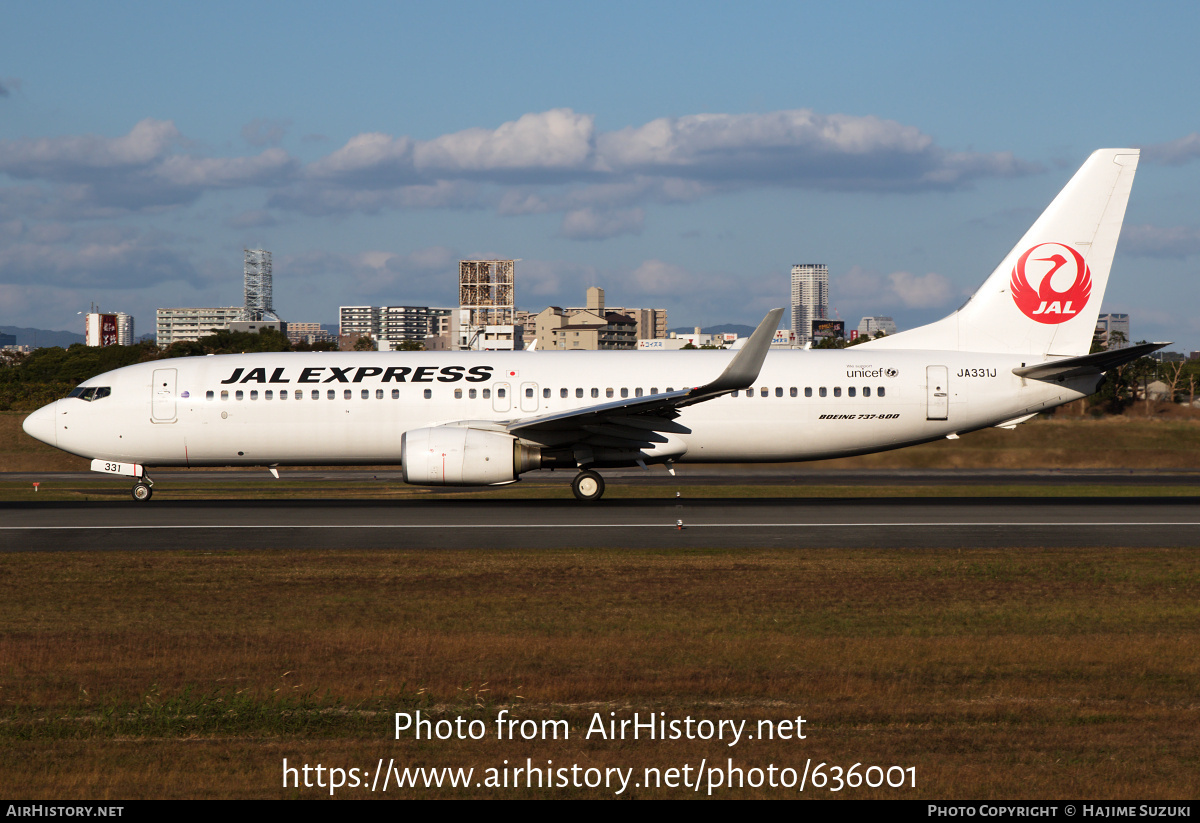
(559, 522)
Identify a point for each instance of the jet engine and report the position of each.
(458, 456)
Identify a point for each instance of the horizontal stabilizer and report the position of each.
(1087, 364)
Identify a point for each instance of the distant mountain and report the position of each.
(724, 328)
(42, 338)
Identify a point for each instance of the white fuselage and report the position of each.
(353, 408)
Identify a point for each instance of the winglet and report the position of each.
(743, 369)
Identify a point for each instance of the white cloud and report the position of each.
(589, 224)
(921, 291)
(558, 162)
(370, 159)
(262, 131)
(553, 140)
(1173, 152)
(380, 276)
(73, 158)
(899, 289)
(1160, 241)
(272, 166)
(253, 219)
(115, 263)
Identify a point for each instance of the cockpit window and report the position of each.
(90, 393)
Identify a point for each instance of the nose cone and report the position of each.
(40, 424)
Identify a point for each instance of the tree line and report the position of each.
(28, 381)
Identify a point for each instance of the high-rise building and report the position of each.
(390, 325)
(110, 329)
(174, 325)
(258, 285)
(1112, 331)
(871, 326)
(651, 323)
(810, 298)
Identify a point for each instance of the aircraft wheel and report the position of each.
(588, 486)
(142, 492)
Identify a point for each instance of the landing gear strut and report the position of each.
(588, 486)
(143, 489)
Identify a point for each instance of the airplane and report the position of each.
(1019, 346)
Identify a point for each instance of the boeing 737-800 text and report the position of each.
(1017, 347)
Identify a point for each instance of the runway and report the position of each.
(711, 523)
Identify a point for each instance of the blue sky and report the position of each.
(681, 155)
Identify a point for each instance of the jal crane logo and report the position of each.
(1045, 304)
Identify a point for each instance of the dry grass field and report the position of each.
(992, 674)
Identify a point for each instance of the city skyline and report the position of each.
(908, 151)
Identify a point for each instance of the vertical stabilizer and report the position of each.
(1044, 297)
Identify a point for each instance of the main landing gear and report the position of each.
(143, 489)
(588, 486)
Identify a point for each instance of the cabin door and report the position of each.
(937, 390)
(162, 400)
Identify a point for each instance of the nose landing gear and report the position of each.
(143, 489)
(588, 486)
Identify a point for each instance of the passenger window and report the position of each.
(595, 392)
(429, 393)
(298, 395)
(808, 391)
(670, 389)
(283, 394)
(239, 394)
(792, 391)
(880, 392)
(866, 391)
(850, 391)
(366, 394)
(654, 390)
(822, 391)
(608, 392)
(779, 391)
(471, 394)
(396, 394)
(546, 393)
(749, 392)
(269, 394)
(346, 394)
(624, 392)
(379, 394)
(458, 394)
(637, 392)
(253, 394)
(764, 391)
(224, 394)
(837, 391)
(316, 394)
(487, 393)
(562, 392)
(209, 395)
(579, 392)
(529, 391)
(499, 393)
(734, 393)
(329, 395)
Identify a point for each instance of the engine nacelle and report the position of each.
(458, 456)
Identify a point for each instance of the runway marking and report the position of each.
(855, 524)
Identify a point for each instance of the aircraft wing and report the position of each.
(641, 422)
